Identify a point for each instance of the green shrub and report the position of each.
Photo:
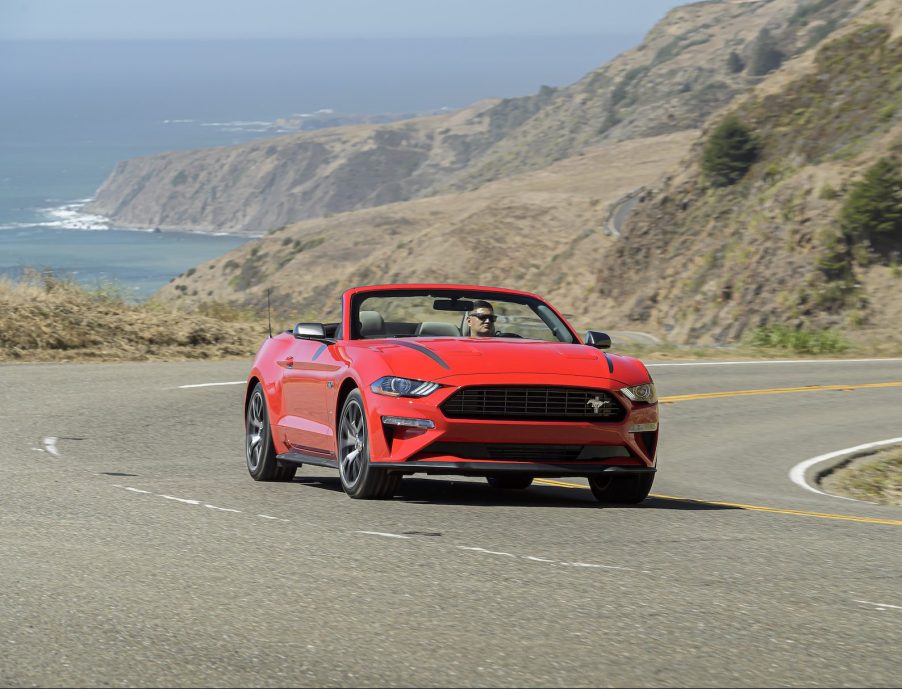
(873, 207)
(729, 153)
(765, 57)
(799, 341)
(621, 90)
(835, 258)
(735, 64)
(805, 10)
(827, 193)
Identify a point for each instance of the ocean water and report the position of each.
(73, 109)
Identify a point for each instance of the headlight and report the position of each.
(641, 393)
(393, 386)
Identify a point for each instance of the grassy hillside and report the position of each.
(544, 230)
(692, 63)
(719, 260)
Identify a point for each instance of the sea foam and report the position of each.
(69, 216)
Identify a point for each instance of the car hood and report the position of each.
(436, 358)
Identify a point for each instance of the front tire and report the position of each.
(359, 478)
(630, 490)
(259, 451)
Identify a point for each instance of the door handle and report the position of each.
(288, 362)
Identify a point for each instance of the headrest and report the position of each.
(436, 329)
(371, 323)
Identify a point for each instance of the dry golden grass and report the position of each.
(47, 318)
(874, 478)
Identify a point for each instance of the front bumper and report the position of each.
(484, 468)
(477, 447)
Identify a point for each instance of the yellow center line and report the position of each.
(741, 506)
(774, 391)
(758, 508)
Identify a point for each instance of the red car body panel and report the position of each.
(305, 382)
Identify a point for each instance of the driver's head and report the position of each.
(481, 319)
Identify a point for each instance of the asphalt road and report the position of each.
(136, 551)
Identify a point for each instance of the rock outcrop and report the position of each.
(693, 62)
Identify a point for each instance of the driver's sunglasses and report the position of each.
(491, 318)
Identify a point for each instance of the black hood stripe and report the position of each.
(610, 362)
(322, 348)
(428, 352)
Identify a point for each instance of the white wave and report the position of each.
(18, 225)
(69, 216)
(178, 121)
(237, 123)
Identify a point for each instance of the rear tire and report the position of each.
(259, 451)
(509, 481)
(359, 478)
(630, 490)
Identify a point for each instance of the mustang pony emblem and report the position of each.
(597, 403)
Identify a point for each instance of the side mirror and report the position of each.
(311, 331)
(597, 339)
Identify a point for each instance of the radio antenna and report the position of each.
(268, 311)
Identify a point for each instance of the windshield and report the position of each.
(456, 314)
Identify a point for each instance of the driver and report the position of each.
(482, 319)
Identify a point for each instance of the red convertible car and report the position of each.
(450, 379)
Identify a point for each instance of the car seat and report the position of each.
(371, 324)
(437, 329)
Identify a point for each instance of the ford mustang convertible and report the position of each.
(450, 379)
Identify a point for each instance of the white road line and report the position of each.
(772, 361)
(187, 502)
(532, 558)
(208, 385)
(221, 509)
(385, 534)
(487, 552)
(50, 445)
(879, 605)
(797, 473)
(587, 564)
(380, 533)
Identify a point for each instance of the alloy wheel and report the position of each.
(352, 450)
(256, 420)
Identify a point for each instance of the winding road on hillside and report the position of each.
(136, 551)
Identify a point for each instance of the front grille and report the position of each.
(530, 403)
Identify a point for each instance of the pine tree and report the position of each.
(873, 208)
(729, 153)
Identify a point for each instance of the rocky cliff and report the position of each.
(692, 63)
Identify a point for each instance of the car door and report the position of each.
(309, 372)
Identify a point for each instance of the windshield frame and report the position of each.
(463, 292)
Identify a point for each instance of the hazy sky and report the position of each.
(148, 19)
